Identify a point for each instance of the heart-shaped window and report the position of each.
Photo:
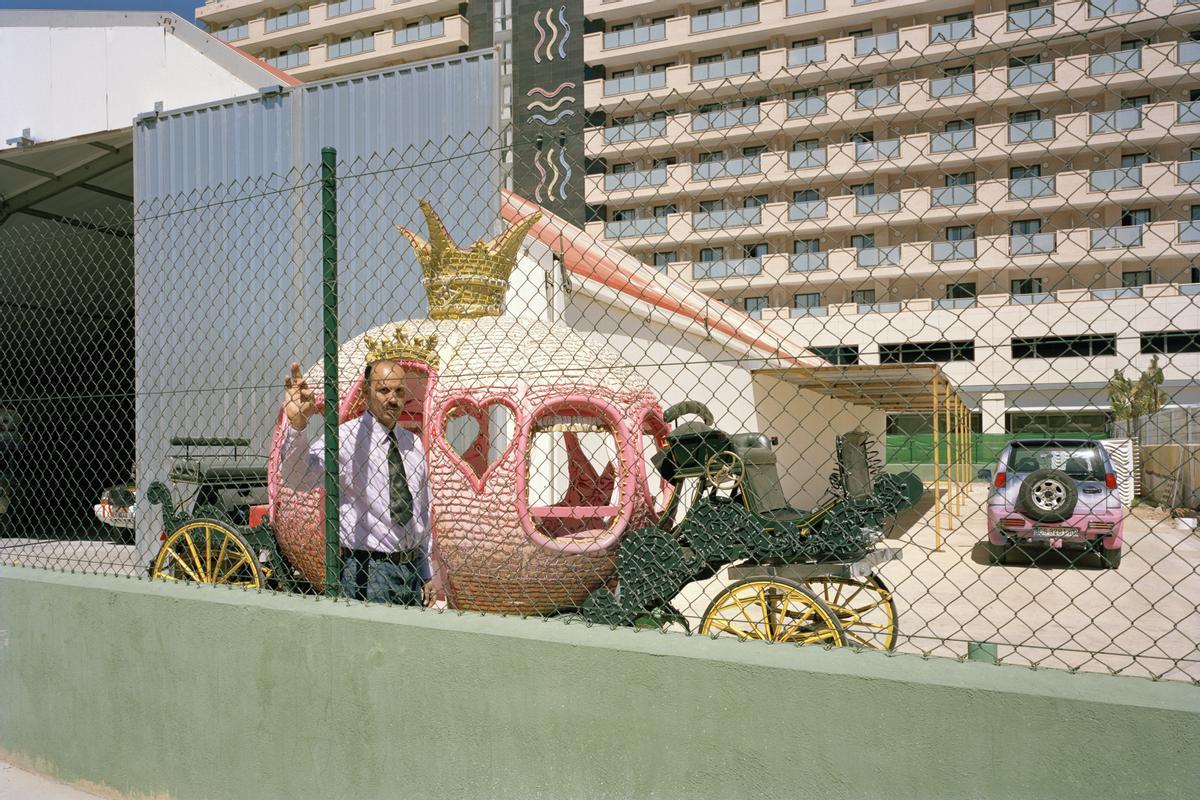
(478, 433)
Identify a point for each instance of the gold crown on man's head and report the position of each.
(399, 347)
(471, 282)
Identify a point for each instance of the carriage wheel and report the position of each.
(773, 610)
(208, 551)
(864, 606)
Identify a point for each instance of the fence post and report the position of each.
(329, 318)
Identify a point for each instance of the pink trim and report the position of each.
(437, 425)
(652, 423)
(628, 484)
(572, 512)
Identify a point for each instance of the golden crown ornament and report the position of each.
(397, 346)
(464, 283)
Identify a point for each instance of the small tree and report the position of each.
(1131, 399)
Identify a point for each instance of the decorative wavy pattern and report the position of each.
(562, 19)
(550, 94)
(557, 118)
(541, 184)
(537, 48)
(566, 98)
(554, 174)
(562, 187)
(553, 34)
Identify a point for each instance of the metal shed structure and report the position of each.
(228, 234)
(907, 388)
(74, 81)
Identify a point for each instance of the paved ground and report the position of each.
(1141, 619)
(17, 784)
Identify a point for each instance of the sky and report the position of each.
(184, 8)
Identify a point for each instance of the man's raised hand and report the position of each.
(299, 401)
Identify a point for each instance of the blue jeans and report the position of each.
(381, 581)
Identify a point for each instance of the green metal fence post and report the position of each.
(329, 300)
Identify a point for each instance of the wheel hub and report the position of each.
(1048, 494)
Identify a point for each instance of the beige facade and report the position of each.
(322, 40)
(865, 174)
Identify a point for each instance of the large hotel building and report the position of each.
(1010, 190)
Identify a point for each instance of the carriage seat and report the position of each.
(761, 481)
(744, 442)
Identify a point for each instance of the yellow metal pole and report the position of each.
(937, 477)
(965, 461)
(949, 456)
(958, 413)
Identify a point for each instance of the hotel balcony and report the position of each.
(1083, 75)
(1063, 136)
(785, 19)
(272, 25)
(1169, 246)
(1125, 315)
(926, 154)
(388, 46)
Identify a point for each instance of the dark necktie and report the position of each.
(401, 504)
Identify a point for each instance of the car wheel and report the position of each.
(1109, 558)
(1047, 495)
(997, 553)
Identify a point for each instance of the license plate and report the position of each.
(1055, 533)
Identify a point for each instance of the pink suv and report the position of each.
(1058, 493)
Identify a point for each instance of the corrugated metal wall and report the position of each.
(227, 234)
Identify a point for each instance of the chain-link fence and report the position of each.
(819, 352)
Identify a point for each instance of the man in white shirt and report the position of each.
(385, 499)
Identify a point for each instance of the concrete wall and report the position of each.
(187, 692)
(1171, 474)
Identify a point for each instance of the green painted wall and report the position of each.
(190, 692)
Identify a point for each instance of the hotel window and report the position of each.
(864, 297)
(806, 300)
(1135, 216)
(1026, 285)
(1135, 278)
(754, 305)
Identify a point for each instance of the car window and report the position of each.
(1081, 462)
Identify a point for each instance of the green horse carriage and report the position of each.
(217, 531)
(804, 576)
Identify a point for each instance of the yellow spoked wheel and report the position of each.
(772, 610)
(208, 551)
(864, 607)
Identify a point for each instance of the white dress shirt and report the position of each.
(366, 520)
